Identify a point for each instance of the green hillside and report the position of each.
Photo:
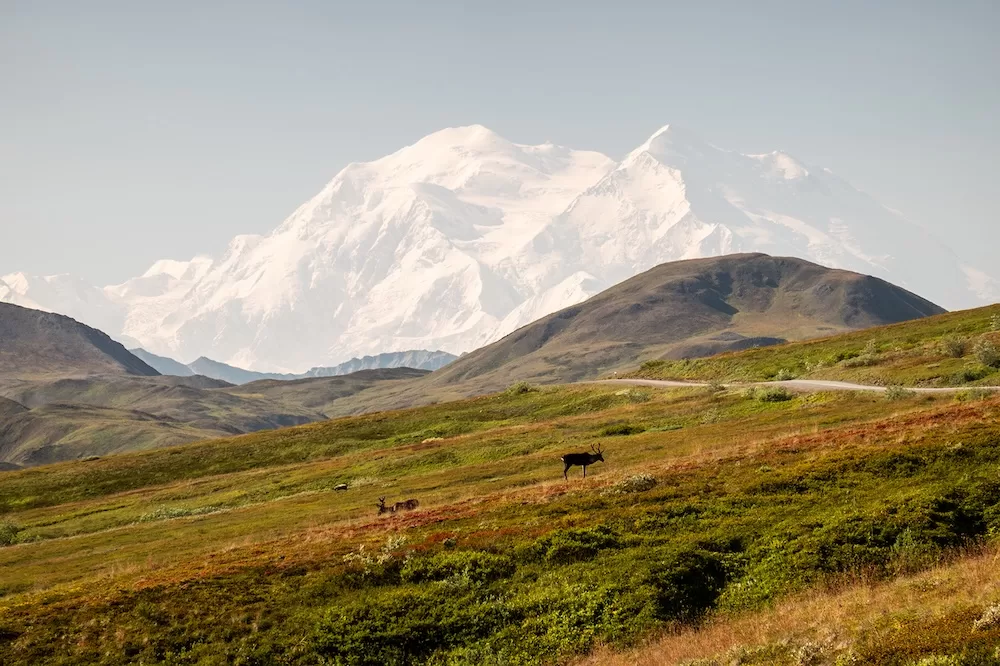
(954, 349)
(714, 509)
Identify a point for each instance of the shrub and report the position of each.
(636, 483)
(989, 619)
(863, 361)
(688, 584)
(712, 415)
(8, 533)
(404, 627)
(995, 322)
(471, 565)
(636, 396)
(520, 388)
(784, 375)
(970, 374)
(622, 429)
(974, 394)
(871, 349)
(575, 545)
(954, 346)
(768, 394)
(986, 353)
(897, 392)
(648, 366)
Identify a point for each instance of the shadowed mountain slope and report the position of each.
(36, 343)
(686, 309)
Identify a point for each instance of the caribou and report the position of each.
(582, 459)
(405, 505)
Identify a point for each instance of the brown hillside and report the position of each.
(35, 343)
(687, 308)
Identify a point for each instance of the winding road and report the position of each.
(793, 384)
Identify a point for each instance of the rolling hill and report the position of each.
(68, 391)
(682, 309)
(38, 344)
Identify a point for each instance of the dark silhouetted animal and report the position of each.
(582, 459)
(405, 505)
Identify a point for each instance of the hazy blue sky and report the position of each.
(133, 131)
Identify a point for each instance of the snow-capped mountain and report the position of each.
(462, 237)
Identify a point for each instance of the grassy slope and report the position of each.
(73, 418)
(323, 393)
(238, 551)
(911, 354)
(53, 433)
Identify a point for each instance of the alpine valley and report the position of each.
(463, 237)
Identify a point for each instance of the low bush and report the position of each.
(897, 392)
(473, 567)
(8, 533)
(975, 394)
(986, 353)
(784, 375)
(970, 374)
(954, 346)
(636, 483)
(521, 388)
(635, 396)
(989, 619)
(995, 322)
(862, 361)
(402, 627)
(768, 394)
(565, 546)
(688, 584)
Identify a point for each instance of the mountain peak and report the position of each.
(465, 137)
(670, 144)
(456, 239)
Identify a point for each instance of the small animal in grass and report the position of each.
(405, 505)
(340, 486)
(582, 459)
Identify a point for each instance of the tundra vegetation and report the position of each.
(954, 349)
(814, 528)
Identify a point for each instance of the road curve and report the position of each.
(793, 384)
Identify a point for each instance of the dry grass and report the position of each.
(833, 616)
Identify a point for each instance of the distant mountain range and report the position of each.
(463, 237)
(416, 359)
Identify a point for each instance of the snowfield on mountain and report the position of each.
(462, 237)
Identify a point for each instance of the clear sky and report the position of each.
(132, 131)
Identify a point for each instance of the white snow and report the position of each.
(464, 236)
